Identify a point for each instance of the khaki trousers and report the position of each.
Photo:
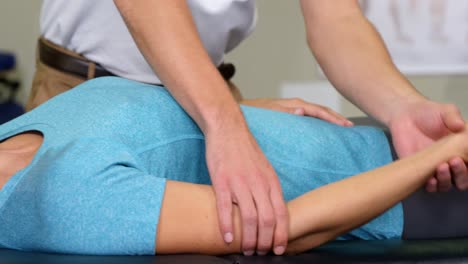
(49, 82)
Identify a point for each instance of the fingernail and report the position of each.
(248, 253)
(261, 253)
(279, 250)
(350, 123)
(228, 238)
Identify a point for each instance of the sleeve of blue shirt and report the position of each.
(98, 203)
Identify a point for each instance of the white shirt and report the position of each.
(95, 29)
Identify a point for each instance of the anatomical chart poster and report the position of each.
(423, 36)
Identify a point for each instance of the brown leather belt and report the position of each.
(62, 61)
(57, 59)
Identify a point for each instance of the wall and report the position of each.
(19, 29)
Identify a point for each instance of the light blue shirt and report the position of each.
(96, 184)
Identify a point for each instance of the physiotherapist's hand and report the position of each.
(299, 107)
(242, 175)
(419, 124)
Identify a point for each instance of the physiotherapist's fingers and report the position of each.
(452, 118)
(459, 173)
(330, 116)
(326, 114)
(282, 108)
(224, 206)
(431, 185)
(266, 221)
(444, 178)
(292, 110)
(298, 111)
(280, 240)
(249, 220)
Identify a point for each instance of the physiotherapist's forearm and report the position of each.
(167, 36)
(354, 57)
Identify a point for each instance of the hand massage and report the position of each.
(138, 143)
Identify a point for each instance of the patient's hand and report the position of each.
(420, 124)
(300, 107)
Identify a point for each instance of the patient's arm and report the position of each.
(188, 222)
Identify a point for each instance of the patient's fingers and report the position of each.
(224, 205)
(444, 180)
(459, 173)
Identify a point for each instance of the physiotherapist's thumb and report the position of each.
(453, 119)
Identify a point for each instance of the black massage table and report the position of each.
(389, 251)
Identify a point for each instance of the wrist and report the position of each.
(224, 119)
(451, 146)
(400, 105)
(459, 144)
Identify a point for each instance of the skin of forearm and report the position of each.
(188, 222)
(354, 57)
(167, 36)
(341, 206)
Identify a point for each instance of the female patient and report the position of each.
(98, 170)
